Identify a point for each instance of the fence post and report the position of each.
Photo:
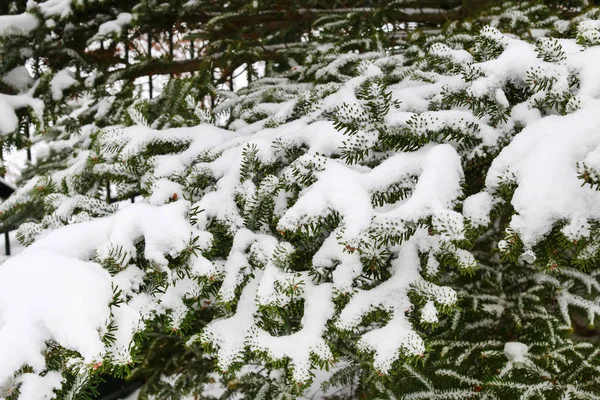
(27, 134)
(149, 58)
(7, 243)
(126, 42)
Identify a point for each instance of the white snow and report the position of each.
(56, 290)
(517, 355)
(300, 345)
(36, 387)
(45, 294)
(51, 8)
(52, 291)
(60, 81)
(18, 78)
(477, 208)
(113, 27)
(8, 104)
(17, 24)
(543, 158)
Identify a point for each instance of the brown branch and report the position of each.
(217, 60)
(431, 15)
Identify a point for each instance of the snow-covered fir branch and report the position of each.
(421, 219)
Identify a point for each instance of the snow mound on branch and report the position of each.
(164, 229)
(17, 24)
(8, 104)
(47, 295)
(52, 291)
(36, 387)
(543, 158)
(51, 8)
(18, 78)
(61, 81)
(113, 27)
(346, 190)
(477, 208)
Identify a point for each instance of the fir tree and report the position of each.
(384, 211)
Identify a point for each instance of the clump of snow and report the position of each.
(17, 24)
(477, 208)
(53, 290)
(35, 387)
(164, 190)
(443, 51)
(543, 158)
(429, 313)
(528, 256)
(60, 81)
(517, 354)
(113, 27)
(576, 229)
(300, 345)
(46, 294)
(18, 78)
(52, 8)
(8, 104)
